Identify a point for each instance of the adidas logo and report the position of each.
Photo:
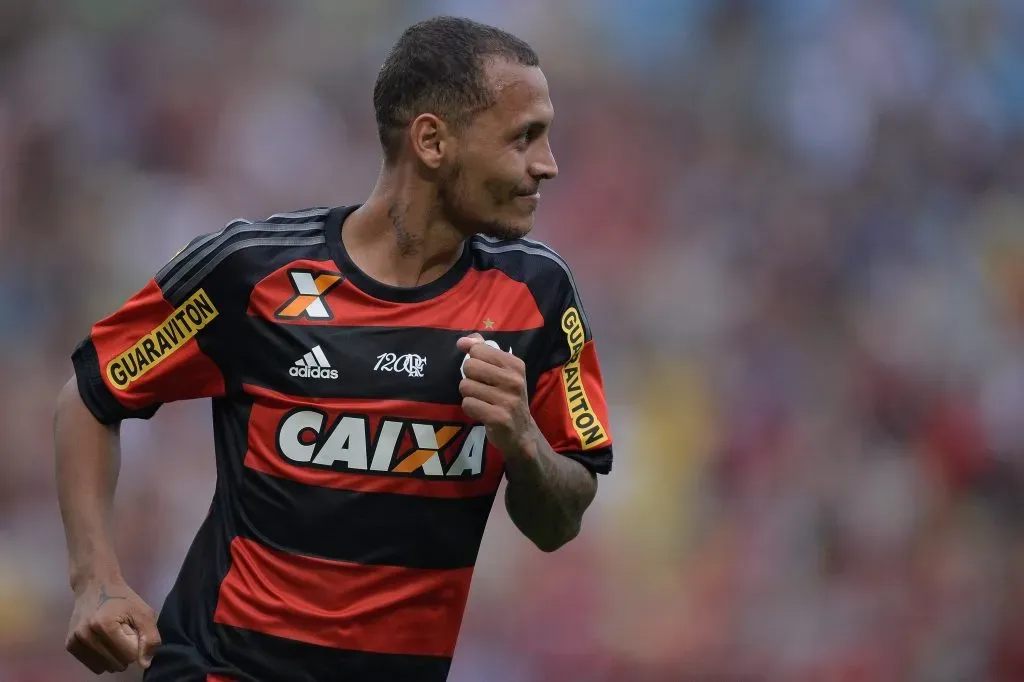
(313, 365)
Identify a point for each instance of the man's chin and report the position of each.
(506, 231)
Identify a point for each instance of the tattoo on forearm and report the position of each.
(553, 496)
(104, 597)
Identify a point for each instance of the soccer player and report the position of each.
(375, 370)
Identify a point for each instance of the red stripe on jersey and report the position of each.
(382, 609)
(298, 438)
(218, 678)
(483, 300)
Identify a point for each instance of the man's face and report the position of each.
(490, 186)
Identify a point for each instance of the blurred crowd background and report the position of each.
(798, 226)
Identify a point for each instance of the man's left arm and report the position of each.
(554, 446)
(547, 494)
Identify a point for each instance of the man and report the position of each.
(375, 370)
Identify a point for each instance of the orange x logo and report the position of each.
(308, 300)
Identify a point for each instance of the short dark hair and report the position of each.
(437, 66)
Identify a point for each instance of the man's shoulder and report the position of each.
(526, 260)
(232, 249)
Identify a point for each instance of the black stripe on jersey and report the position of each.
(269, 353)
(377, 529)
(265, 657)
(193, 247)
(529, 246)
(202, 246)
(186, 619)
(215, 251)
(177, 294)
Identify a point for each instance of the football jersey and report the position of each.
(352, 489)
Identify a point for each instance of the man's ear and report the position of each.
(430, 140)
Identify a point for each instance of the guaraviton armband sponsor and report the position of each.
(180, 326)
(588, 427)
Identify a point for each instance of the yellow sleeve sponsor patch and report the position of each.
(156, 346)
(588, 427)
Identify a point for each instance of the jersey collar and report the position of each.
(333, 227)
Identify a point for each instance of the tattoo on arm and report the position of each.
(104, 597)
(547, 496)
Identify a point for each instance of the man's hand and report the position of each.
(494, 393)
(112, 627)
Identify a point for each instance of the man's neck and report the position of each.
(397, 238)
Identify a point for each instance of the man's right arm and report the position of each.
(88, 460)
(111, 625)
(158, 347)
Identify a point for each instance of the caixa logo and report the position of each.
(309, 437)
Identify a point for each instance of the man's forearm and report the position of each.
(547, 493)
(87, 466)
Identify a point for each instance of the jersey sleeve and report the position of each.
(568, 402)
(160, 345)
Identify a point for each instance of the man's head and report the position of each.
(468, 106)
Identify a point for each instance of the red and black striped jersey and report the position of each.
(352, 490)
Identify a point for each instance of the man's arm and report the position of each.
(158, 347)
(547, 493)
(111, 625)
(88, 460)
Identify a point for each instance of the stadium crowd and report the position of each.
(798, 228)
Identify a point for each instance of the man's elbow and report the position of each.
(550, 542)
(549, 546)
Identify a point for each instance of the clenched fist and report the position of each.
(494, 393)
(112, 627)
